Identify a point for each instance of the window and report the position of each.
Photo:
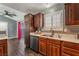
(47, 21)
(57, 20)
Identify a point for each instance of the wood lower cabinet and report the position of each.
(42, 46)
(55, 50)
(70, 49)
(3, 47)
(49, 47)
(1, 50)
(53, 47)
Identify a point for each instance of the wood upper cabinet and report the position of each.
(38, 20)
(3, 47)
(42, 45)
(70, 49)
(72, 13)
(53, 47)
(29, 21)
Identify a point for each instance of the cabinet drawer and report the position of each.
(42, 40)
(71, 45)
(54, 41)
(42, 45)
(70, 51)
(42, 48)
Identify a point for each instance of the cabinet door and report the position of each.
(36, 20)
(5, 50)
(70, 51)
(55, 50)
(72, 14)
(49, 49)
(42, 48)
(27, 30)
(31, 20)
(31, 23)
(75, 13)
(68, 14)
(1, 51)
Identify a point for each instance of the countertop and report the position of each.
(2, 38)
(5, 37)
(64, 37)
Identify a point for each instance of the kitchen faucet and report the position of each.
(52, 32)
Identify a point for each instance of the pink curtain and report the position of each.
(19, 31)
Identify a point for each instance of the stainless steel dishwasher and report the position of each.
(34, 42)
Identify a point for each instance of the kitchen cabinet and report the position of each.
(38, 20)
(72, 13)
(55, 50)
(29, 21)
(42, 45)
(28, 28)
(49, 47)
(53, 47)
(70, 49)
(1, 50)
(3, 47)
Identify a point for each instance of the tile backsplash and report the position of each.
(2, 32)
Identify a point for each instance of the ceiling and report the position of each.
(29, 7)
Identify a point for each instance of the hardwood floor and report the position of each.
(30, 52)
(17, 48)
